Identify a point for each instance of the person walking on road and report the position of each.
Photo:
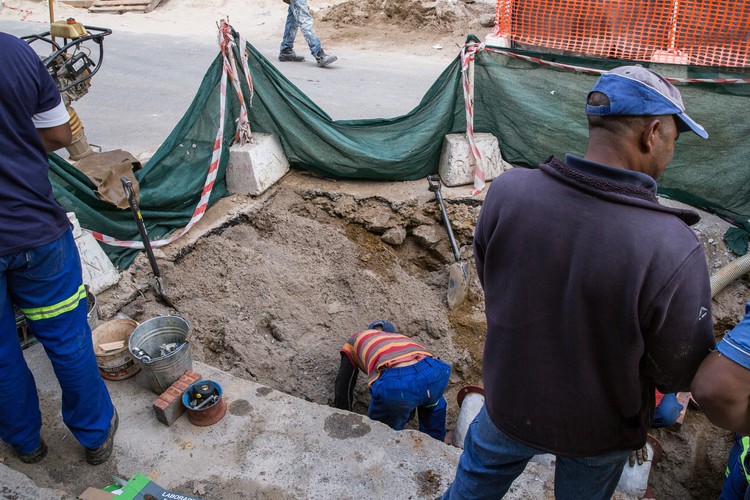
(298, 17)
(595, 295)
(404, 379)
(40, 270)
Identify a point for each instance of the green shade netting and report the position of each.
(533, 110)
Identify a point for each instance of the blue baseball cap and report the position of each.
(384, 325)
(637, 91)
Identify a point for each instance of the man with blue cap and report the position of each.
(595, 296)
(404, 379)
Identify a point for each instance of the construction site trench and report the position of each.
(277, 283)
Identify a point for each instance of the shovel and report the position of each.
(160, 293)
(458, 276)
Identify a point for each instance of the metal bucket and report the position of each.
(92, 310)
(147, 343)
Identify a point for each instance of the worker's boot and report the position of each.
(96, 456)
(288, 55)
(36, 455)
(324, 59)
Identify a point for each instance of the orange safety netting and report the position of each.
(695, 32)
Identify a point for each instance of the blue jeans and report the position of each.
(399, 391)
(491, 461)
(298, 16)
(45, 283)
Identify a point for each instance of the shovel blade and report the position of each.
(162, 295)
(458, 284)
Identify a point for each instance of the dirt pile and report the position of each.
(273, 296)
(411, 25)
(444, 15)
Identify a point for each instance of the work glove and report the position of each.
(667, 412)
(639, 456)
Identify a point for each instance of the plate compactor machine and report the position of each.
(73, 54)
(71, 66)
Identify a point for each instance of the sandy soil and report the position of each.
(273, 294)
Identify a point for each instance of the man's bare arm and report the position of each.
(722, 389)
(57, 137)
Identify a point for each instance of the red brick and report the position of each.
(174, 391)
(168, 406)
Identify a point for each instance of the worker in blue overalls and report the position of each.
(40, 270)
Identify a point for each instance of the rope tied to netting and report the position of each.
(225, 36)
(598, 72)
(227, 43)
(468, 54)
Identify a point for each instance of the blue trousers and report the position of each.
(45, 283)
(491, 461)
(399, 391)
(298, 17)
(736, 486)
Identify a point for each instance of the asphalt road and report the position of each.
(147, 81)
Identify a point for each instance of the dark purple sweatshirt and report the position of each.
(594, 295)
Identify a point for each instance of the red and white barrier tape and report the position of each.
(225, 38)
(243, 135)
(468, 53)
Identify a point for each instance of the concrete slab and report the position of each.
(269, 445)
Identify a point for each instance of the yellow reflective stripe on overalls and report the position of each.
(47, 312)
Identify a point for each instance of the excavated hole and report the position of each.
(273, 296)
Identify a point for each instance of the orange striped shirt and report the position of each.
(372, 351)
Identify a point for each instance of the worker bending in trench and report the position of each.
(404, 379)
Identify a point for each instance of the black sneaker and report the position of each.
(324, 59)
(36, 455)
(96, 456)
(288, 55)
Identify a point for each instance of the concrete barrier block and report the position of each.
(256, 166)
(455, 168)
(98, 271)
